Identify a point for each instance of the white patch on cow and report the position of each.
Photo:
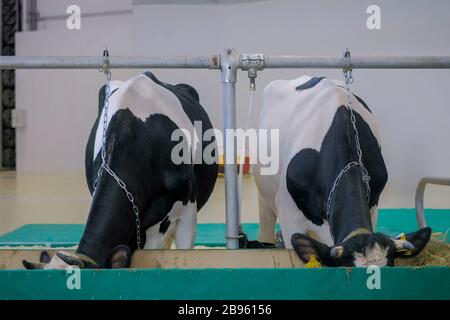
(267, 220)
(288, 110)
(143, 97)
(374, 255)
(182, 228)
(186, 227)
(57, 263)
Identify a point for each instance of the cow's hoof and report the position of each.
(244, 243)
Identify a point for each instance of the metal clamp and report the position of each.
(106, 62)
(252, 63)
(248, 61)
(229, 63)
(348, 68)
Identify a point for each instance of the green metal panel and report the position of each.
(323, 283)
(49, 235)
(390, 221)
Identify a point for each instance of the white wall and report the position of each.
(412, 106)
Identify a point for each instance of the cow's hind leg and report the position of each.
(186, 227)
(291, 218)
(267, 220)
(160, 235)
(159, 239)
(266, 238)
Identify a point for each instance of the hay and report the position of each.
(436, 253)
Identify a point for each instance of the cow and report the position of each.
(143, 114)
(316, 142)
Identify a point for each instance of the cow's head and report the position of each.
(362, 249)
(120, 257)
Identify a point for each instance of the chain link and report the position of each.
(104, 166)
(365, 174)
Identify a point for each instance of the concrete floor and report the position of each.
(64, 198)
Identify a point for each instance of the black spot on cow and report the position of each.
(311, 174)
(309, 84)
(189, 100)
(190, 91)
(164, 225)
(363, 103)
(113, 92)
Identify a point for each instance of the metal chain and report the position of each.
(365, 174)
(104, 166)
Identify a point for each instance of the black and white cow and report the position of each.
(143, 114)
(317, 141)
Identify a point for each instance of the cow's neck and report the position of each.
(349, 209)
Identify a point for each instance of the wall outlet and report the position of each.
(18, 118)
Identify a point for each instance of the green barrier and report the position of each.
(390, 221)
(323, 283)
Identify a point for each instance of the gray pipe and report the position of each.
(369, 62)
(22, 62)
(229, 65)
(213, 62)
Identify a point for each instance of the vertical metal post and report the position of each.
(229, 64)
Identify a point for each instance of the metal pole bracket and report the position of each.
(229, 63)
(249, 61)
(348, 67)
(106, 62)
(252, 63)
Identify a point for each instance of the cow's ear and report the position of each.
(120, 257)
(305, 247)
(418, 239)
(32, 265)
(44, 257)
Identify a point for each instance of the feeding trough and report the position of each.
(215, 273)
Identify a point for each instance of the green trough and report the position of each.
(263, 283)
(323, 283)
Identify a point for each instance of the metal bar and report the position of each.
(24, 62)
(212, 62)
(229, 65)
(361, 62)
(420, 190)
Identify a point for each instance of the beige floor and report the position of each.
(64, 198)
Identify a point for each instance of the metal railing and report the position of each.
(213, 62)
(229, 62)
(420, 191)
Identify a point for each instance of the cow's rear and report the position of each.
(319, 157)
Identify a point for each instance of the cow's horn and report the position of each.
(32, 265)
(70, 259)
(44, 257)
(337, 252)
